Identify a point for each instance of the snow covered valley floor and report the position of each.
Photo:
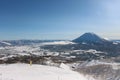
(21, 71)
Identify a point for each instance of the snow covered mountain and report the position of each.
(90, 38)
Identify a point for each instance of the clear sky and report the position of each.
(58, 19)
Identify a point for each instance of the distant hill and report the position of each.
(3, 43)
(90, 38)
(23, 42)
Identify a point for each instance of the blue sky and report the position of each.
(58, 19)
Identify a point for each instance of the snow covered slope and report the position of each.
(37, 72)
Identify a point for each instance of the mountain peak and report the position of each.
(90, 33)
(89, 37)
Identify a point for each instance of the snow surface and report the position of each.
(37, 72)
(64, 66)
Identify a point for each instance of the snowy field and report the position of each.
(38, 72)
